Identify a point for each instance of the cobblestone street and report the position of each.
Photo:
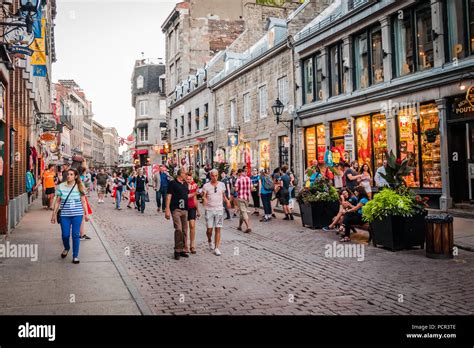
(280, 268)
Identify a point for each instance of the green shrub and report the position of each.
(386, 203)
(320, 191)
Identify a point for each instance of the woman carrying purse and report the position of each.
(70, 197)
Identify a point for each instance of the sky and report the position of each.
(97, 43)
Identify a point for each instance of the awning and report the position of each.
(142, 125)
(142, 152)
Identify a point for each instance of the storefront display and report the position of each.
(424, 156)
(315, 144)
(371, 137)
(264, 147)
(338, 130)
(310, 145)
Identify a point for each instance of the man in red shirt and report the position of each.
(193, 211)
(243, 188)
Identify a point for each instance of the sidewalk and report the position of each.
(463, 228)
(55, 286)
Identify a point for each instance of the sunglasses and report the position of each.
(215, 189)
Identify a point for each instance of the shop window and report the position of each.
(315, 140)
(412, 40)
(338, 130)
(308, 77)
(283, 150)
(423, 155)
(368, 58)
(310, 146)
(371, 140)
(264, 147)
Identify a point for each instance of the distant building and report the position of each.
(98, 156)
(149, 101)
(111, 147)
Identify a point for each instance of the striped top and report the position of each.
(73, 205)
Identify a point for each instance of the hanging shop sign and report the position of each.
(233, 138)
(21, 51)
(470, 95)
(48, 137)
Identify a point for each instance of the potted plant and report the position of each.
(319, 203)
(396, 214)
(431, 134)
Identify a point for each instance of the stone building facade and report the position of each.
(98, 158)
(149, 101)
(246, 131)
(111, 147)
(391, 75)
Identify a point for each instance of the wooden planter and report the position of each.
(399, 233)
(316, 215)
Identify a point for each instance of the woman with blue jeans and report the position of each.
(119, 184)
(266, 196)
(70, 196)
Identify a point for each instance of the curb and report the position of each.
(142, 306)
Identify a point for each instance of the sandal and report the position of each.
(345, 240)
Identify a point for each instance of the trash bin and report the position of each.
(439, 236)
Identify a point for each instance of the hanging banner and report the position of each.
(38, 59)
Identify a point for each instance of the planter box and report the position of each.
(316, 215)
(399, 233)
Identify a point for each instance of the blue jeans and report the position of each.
(66, 223)
(118, 199)
(161, 198)
(267, 203)
(140, 200)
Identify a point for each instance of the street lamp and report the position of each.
(278, 108)
(25, 14)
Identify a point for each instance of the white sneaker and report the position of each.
(217, 252)
(211, 246)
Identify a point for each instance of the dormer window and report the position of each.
(140, 82)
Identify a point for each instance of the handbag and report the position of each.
(147, 197)
(58, 214)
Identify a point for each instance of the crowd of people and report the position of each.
(354, 183)
(181, 196)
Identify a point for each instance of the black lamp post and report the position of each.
(278, 108)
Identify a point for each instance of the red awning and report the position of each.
(142, 152)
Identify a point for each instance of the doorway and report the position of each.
(461, 161)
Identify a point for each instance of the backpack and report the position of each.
(268, 183)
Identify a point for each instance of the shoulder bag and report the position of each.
(58, 215)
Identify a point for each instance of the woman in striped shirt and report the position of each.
(72, 212)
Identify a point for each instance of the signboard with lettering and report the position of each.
(470, 95)
(233, 139)
(461, 108)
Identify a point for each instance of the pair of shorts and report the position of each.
(243, 206)
(214, 218)
(100, 189)
(50, 191)
(284, 197)
(192, 212)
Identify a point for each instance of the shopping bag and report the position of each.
(114, 192)
(147, 197)
(89, 209)
(132, 197)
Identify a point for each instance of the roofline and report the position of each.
(171, 17)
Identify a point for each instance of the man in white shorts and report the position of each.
(213, 201)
